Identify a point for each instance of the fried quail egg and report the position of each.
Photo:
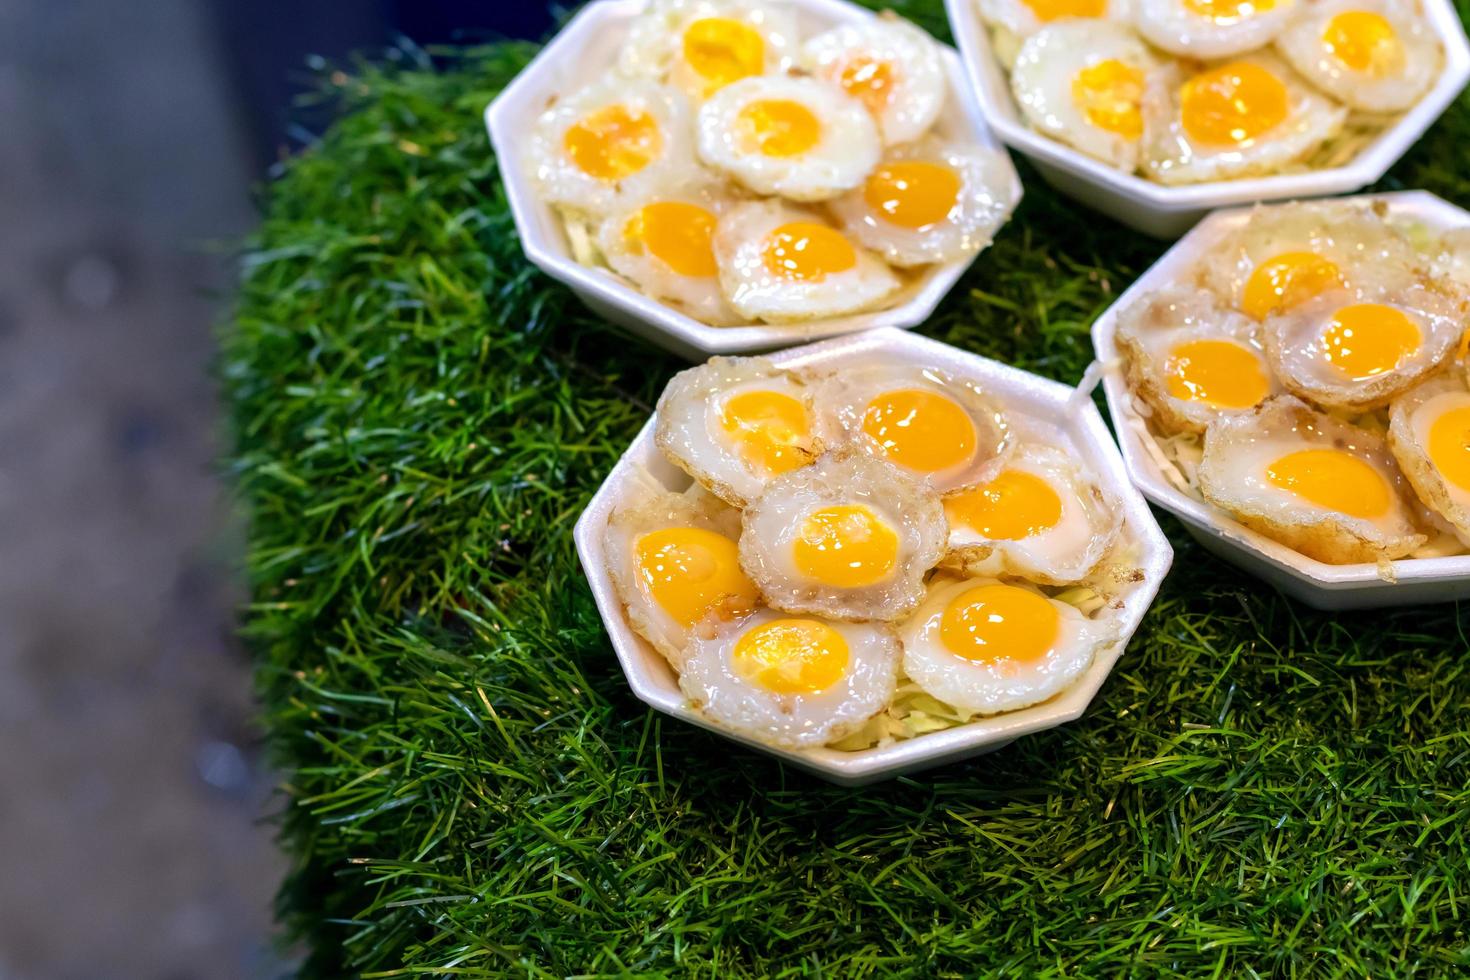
(1328, 489)
(799, 138)
(1349, 351)
(1249, 116)
(734, 423)
(612, 141)
(791, 681)
(783, 264)
(1190, 360)
(890, 66)
(1022, 18)
(673, 560)
(936, 428)
(1429, 435)
(1375, 55)
(665, 246)
(929, 202)
(1040, 518)
(986, 646)
(1207, 29)
(849, 537)
(1453, 255)
(700, 46)
(1082, 82)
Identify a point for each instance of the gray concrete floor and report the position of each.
(130, 788)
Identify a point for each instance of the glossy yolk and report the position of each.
(869, 81)
(1287, 280)
(1232, 104)
(613, 142)
(771, 428)
(1108, 93)
(920, 430)
(1332, 479)
(1365, 42)
(1229, 11)
(1220, 373)
(1366, 339)
(721, 51)
(1014, 505)
(777, 128)
(677, 234)
(690, 572)
(791, 656)
(912, 193)
(807, 252)
(1050, 10)
(846, 546)
(1449, 446)
(999, 622)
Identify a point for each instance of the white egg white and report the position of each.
(1208, 31)
(1390, 84)
(1411, 421)
(911, 81)
(660, 40)
(1021, 19)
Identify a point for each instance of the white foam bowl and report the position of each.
(584, 52)
(1318, 584)
(1167, 211)
(654, 682)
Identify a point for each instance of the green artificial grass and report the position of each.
(470, 789)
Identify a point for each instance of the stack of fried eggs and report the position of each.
(1189, 91)
(739, 174)
(867, 555)
(1308, 378)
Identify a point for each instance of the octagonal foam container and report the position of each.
(654, 682)
(582, 53)
(1318, 584)
(1168, 211)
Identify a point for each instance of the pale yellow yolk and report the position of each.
(807, 252)
(912, 193)
(1229, 11)
(778, 128)
(920, 430)
(1365, 42)
(869, 81)
(1109, 93)
(1449, 446)
(721, 51)
(1233, 104)
(1286, 281)
(1014, 505)
(677, 234)
(1333, 479)
(1050, 10)
(1366, 339)
(1221, 373)
(791, 656)
(1000, 622)
(770, 427)
(613, 142)
(690, 572)
(847, 546)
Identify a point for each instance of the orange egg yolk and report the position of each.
(677, 234)
(1000, 622)
(613, 142)
(1233, 104)
(791, 656)
(1287, 280)
(771, 428)
(1229, 11)
(912, 193)
(1333, 479)
(1366, 339)
(721, 51)
(869, 81)
(690, 572)
(920, 430)
(1050, 10)
(1365, 42)
(807, 252)
(846, 546)
(1449, 446)
(1109, 94)
(777, 128)
(1013, 506)
(1221, 373)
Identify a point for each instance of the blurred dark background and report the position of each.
(132, 790)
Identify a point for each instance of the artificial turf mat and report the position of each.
(470, 789)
